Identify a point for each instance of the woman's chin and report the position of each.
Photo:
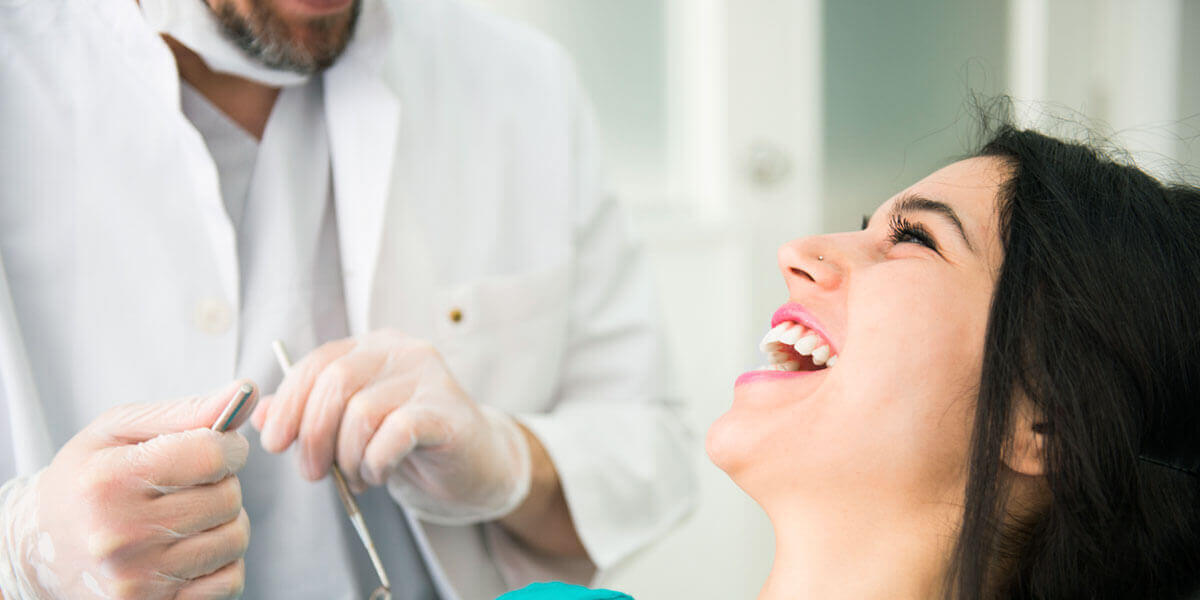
(734, 452)
(727, 445)
(734, 439)
(715, 444)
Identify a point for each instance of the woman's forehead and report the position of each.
(976, 179)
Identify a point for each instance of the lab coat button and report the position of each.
(213, 316)
(456, 315)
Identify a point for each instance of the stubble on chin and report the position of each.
(305, 47)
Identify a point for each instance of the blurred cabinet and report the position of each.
(1117, 66)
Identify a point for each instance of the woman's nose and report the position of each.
(808, 261)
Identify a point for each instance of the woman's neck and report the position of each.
(861, 552)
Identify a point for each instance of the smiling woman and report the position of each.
(989, 391)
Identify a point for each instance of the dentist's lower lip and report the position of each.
(324, 6)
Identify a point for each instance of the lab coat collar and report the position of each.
(363, 116)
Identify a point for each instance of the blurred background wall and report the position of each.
(731, 126)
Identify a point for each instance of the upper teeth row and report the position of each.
(806, 342)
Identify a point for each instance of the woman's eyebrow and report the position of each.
(916, 203)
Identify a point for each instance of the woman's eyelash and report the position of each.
(903, 230)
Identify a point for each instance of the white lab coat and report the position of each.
(464, 181)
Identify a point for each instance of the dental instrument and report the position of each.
(348, 501)
(236, 403)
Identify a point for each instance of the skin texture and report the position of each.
(543, 521)
(861, 467)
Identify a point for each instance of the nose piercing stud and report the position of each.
(821, 257)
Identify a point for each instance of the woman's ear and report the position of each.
(1026, 454)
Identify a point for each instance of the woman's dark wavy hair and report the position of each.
(1096, 320)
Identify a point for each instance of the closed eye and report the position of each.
(903, 231)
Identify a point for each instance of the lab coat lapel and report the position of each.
(363, 116)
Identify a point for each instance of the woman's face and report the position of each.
(903, 307)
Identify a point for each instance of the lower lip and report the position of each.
(323, 7)
(757, 376)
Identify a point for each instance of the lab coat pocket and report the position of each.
(503, 336)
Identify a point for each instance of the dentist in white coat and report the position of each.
(406, 194)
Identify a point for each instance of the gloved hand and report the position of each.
(142, 503)
(388, 410)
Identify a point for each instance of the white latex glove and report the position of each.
(142, 503)
(386, 408)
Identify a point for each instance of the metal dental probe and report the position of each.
(233, 408)
(348, 501)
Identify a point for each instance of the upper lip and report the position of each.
(796, 313)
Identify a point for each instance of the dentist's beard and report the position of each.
(306, 48)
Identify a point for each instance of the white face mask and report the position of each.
(195, 26)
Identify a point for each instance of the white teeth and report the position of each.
(790, 336)
(793, 336)
(807, 344)
(820, 355)
(773, 336)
